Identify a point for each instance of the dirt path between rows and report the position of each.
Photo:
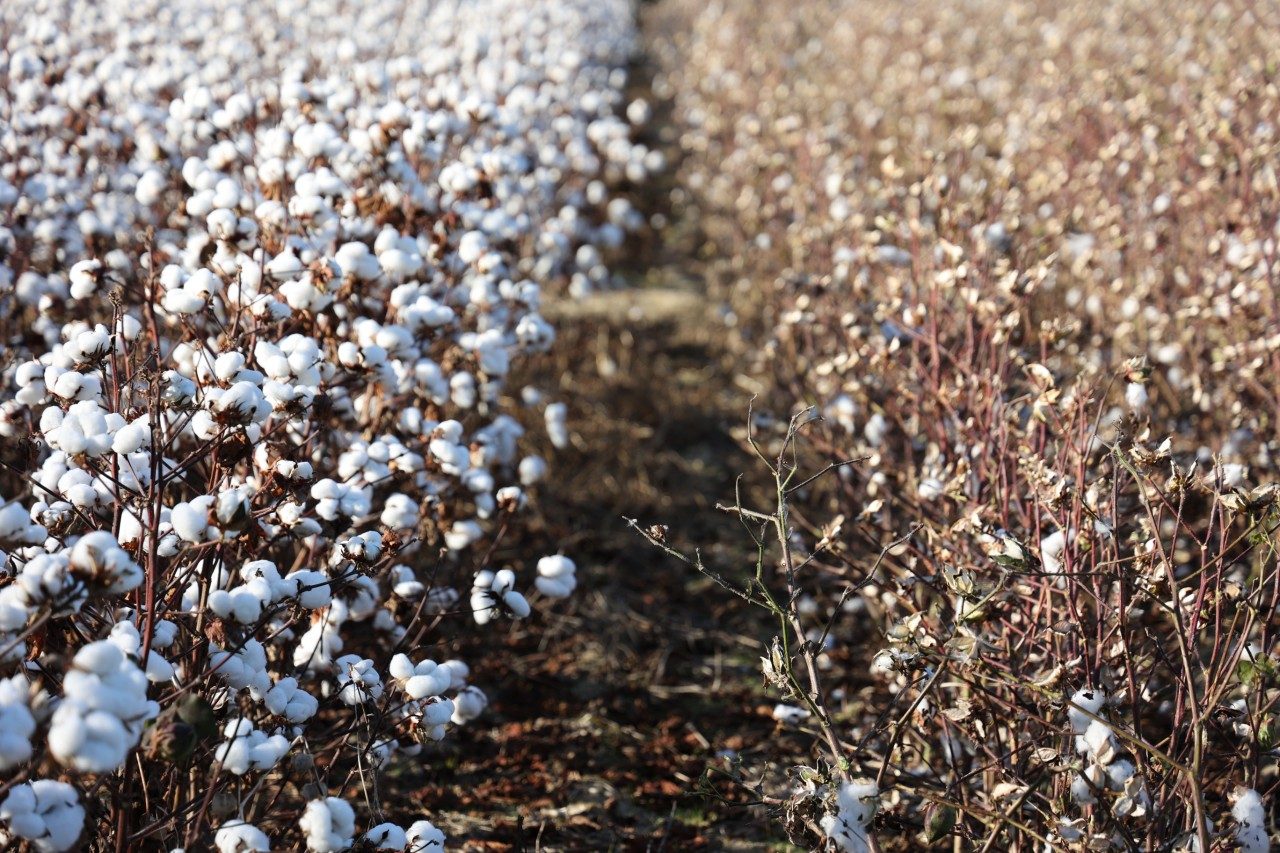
(612, 708)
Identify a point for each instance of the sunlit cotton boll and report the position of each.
(556, 576)
(46, 812)
(493, 593)
(1251, 821)
(848, 827)
(424, 837)
(17, 724)
(236, 836)
(468, 705)
(329, 825)
(556, 415)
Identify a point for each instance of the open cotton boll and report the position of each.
(1089, 699)
(245, 748)
(386, 836)
(236, 836)
(856, 805)
(17, 724)
(99, 561)
(556, 416)
(1135, 397)
(358, 679)
(1251, 821)
(286, 699)
(789, 715)
(468, 705)
(103, 710)
(532, 470)
(556, 576)
(85, 277)
(424, 837)
(329, 825)
(47, 813)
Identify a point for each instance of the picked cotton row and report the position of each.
(265, 275)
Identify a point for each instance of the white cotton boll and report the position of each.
(462, 535)
(462, 390)
(855, 807)
(1052, 549)
(46, 813)
(789, 715)
(556, 576)
(386, 836)
(313, 589)
(400, 512)
(246, 748)
(532, 470)
(1091, 700)
(422, 686)
(243, 403)
(190, 520)
(1084, 787)
(103, 710)
(132, 438)
(472, 246)
(1135, 397)
(1098, 742)
(424, 837)
(288, 700)
(236, 836)
(557, 431)
(930, 489)
(84, 277)
(358, 679)
(99, 560)
(875, 429)
(329, 825)
(17, 723)
(1251, 821)
(468, 705)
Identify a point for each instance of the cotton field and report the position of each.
(265, 274)
(590, 425)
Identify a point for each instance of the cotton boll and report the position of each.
(236, 836)
(930, 489)
(532, 470)
(468, 705)
(1251, 821)
(556, 576)
(17, 723)
(98, 560)
(789, 715)
(1089, 699)
(386, 836)
(848, 827)
(85, 277)
(46, 812)
(557, 430)
(462, 534)
(423, 837)
(246, 748)
(329, 825)
(358, 680)
(103, 710)
(1135, 396)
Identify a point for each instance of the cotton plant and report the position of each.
(264, 308)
